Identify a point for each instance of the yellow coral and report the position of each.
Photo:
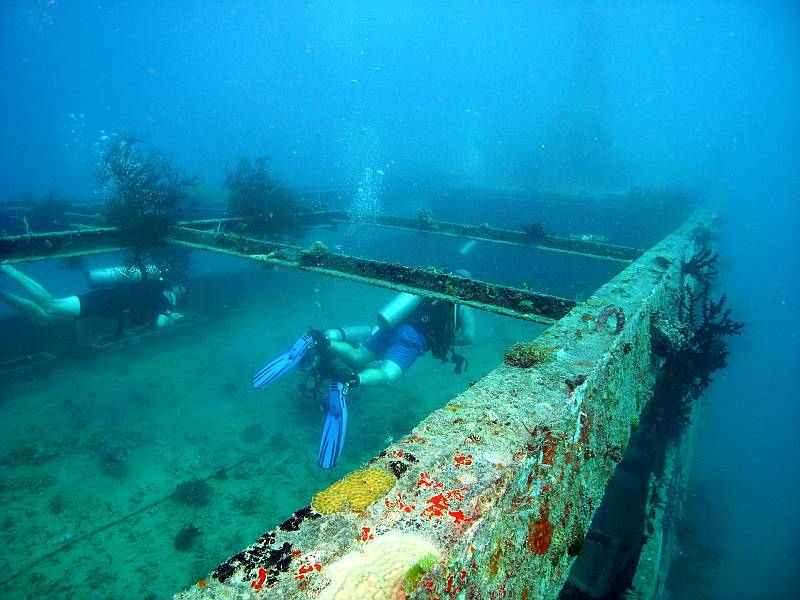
(355, 492)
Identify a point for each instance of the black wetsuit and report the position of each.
(139, 302)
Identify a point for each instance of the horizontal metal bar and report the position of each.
(60, 244)
(501, 236)
(209, 223)
(82, 218)
(519, 303)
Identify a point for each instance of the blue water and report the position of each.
(578, 96)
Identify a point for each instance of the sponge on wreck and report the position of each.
(379, 570)
(355, 492)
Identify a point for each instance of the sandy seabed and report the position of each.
(91, 452)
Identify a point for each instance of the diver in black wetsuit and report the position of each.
(140, 302)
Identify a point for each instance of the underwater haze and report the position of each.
(384, 104)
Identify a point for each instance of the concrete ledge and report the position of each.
(493, 493)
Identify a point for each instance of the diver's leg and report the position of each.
(57, 307)
(64, 307)
(355, 358)
(33, 288)
(386, 374)
(25, 306)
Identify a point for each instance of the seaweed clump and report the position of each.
(193, 492)
(145, 192)
(315, 254)
(525, 355)
(261, 200)
(185, 537)
(426, 220)
(536, 232)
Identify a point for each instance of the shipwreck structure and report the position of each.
(535, 482)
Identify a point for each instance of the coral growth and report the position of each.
(355, 492)
(536, 232)
(526, 354)
(426, 219)
(261, 200)
(702, 265)
(540, 533)
(575, 538)
(559, 546)
(248, 505)
(314, 254)
(145, 193)
(115, 463)
(415, 573)
(692, 350)
(382, 568)
(185, 537)
(194, 492)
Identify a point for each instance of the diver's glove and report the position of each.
(346, 375)
(322, 343)
(353, 380)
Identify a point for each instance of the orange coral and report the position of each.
(540, 533)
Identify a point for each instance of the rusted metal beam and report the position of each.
(60, 244)
(519, 303)
(82, 218)
(502, 236)
(209, 223)
(443, 228)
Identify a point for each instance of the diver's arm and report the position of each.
(465, 334)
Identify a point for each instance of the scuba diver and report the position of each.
(408, 326)
(116, 293)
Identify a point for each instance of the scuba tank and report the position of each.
(397, 309)
(403, 304)
(112, 276)
(355, 334)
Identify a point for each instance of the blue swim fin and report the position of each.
(332, 442)
(283, 363)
